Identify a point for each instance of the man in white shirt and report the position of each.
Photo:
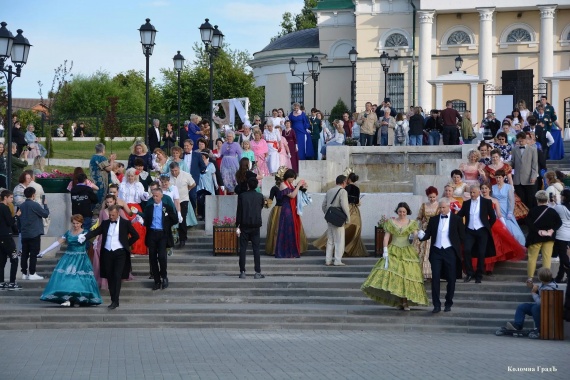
(184, 182)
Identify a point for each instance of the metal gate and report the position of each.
(566, 122)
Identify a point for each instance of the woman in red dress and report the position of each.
(288, 243)
(291, 138)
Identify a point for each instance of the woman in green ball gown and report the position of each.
(397, 279)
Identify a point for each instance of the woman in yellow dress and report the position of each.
(396, 279)
(427, 210)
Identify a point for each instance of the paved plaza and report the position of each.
(278, 354)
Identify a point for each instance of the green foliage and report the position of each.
(49, 143)
(304, 20)
(338, 110)
(26, 117)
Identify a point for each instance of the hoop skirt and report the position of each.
(139, 246)
(73, 278)
(403, 278)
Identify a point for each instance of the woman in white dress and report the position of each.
(131, 191)
(273, 139)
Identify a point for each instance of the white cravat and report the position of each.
(157, 130)
(442, 239)
(474, 214)
(112, 242)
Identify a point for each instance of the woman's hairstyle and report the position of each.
(77, 218)
(39, 163)
(176, 149)
(243, 168)
(256, 131)
(220, 140)
(201, 140)
(486, 183)
(500, 173)
(139, 162)
(78, 170)
(404, 205)
(111, 196)
(22, 177)
(400, 116)
(495, 151)
(99, 148)
(353, 177)
(474, 152)
(114, 186)
(551, 177)
(158, 150)
(503, 134)
(521, 103)
(290, 173)
(541, 196)
(229, 132)
(431, 190)
(245, 142)
(456, 172)
(141, 144)
(131, 171)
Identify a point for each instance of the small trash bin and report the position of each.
(551, 315)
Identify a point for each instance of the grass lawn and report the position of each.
(86, 149)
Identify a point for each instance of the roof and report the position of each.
(333, 4)
(28, 103)
(306, 38)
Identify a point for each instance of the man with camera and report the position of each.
(336, 197)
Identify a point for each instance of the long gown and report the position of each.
(423, 247)
(273, 140)
(132, 194)
(231, 154)
(470, 173)
(288, 243)
(300, 124)
(260, 150)
(521, 211)
(505, 247)
(73, 278)
(291, 138)
(505, 196)
(273, 225)
(284, 159)
(403, 278)
(458, 191)
(353, 245)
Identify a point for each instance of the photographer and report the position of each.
(18, 164)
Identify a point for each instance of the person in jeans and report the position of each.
(31, 228)
(7, 245)
(336, 197)
(545, 277)
(450, 118)
(367, 121)
(416, 128)
(248, 220)
(387, 122)
(433, 126)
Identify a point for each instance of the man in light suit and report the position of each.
(115, 251)
(525, 165)
(336, 197)
(446, 232)
(479, 218)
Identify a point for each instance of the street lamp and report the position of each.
(178, 66)
(17, 49)
(314, 65)
(213, 40)
(292, 67)
(352, 55)
(385, 61)
(148, 33)
(458, 62)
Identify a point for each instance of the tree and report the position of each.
(338, 110)
(304, 20)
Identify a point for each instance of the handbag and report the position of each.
(335, 215)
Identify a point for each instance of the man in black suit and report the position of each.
(154, 136)
(248, 219)
(159, 217)
(479, 217)
(196, 165)
(446, 232)
(115, 251)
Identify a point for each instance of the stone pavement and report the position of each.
(274, 354)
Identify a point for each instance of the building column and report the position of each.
(546, 57)
(475, 112)
(424, 61)
(486, 44)
(555, 100)
(439, 96)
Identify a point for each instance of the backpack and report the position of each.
(399, 135)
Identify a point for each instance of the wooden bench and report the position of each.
(551, 315)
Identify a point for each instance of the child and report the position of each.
(545, 276)
(246, 151)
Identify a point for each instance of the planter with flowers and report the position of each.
(54, 181)
(379, 233)
(225, 236)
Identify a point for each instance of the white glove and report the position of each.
(145, 196)
(138, 219)
(385, 253)
(53, 245)
(81, 238)
(134, 210)
(238, 231)
(180, 217)
(421, 234)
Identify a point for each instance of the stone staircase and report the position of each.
(296, 294)
(563, 164)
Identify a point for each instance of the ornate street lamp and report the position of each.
(385, 61)
(178, 66)
(17, 49)
(458, 62)
(314, 65)
(303, 76)
(148, 33)
(213, 40)
(353, 55)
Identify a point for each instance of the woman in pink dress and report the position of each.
(284, 154)
(473, 170)
(259, 147)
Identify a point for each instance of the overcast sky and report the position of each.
(103, 34)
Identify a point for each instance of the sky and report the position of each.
(103, 34)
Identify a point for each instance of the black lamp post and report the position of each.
(148, 33)
(17, 49)
(178, 66)
(385, 61)
(213, 39)
(352, 55)
(314, 65)
(458, 62)
(292, 67)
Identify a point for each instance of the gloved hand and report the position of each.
(145, 196)
(511, 217)
(81, 238)
(421, 234)
(139, 219)
(42, 253)
(385, 253)
(502, 219)
(180, 217)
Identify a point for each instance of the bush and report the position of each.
(338, 110)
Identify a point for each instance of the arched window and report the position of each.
(459, 105)
(459, 37)
(396, 40)
(519, 35)
(568, 36)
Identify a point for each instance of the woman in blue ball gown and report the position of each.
(72, 281)
(300, 124)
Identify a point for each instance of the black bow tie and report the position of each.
(444, 217)
(521, 147)
(115, 222)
